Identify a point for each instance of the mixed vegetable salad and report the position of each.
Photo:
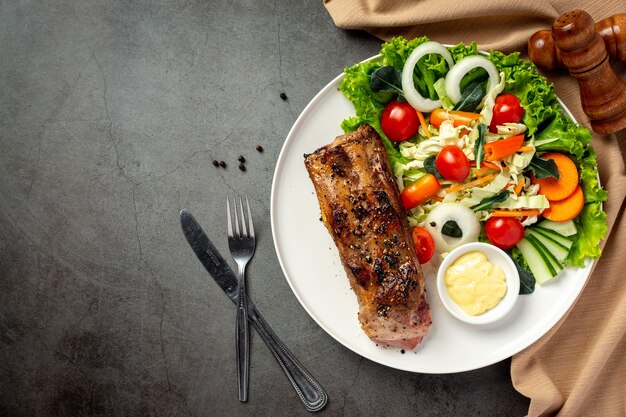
(482, 150)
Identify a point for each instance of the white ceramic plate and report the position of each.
(310, 261)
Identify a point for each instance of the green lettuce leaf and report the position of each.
(570, 137)
(367, 104)
(591, 222)
(589, 177)
(428, 69)
(536, 95)
(461, 51)
(397, 50)
(592, 228)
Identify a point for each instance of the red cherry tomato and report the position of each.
(452, 163)
(399, 121)
(504, 232)
(507, 109)
(423, 243)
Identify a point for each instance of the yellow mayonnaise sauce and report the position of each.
(474, 283)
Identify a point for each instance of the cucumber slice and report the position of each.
(535, 260)
(559, 251)
(567, 228)
(564, 241)
(554, 265)
(548, 236)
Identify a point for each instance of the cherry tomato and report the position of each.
(423, 243)
(504, 232)
(399, 121)
(452, 163)
(507, 109)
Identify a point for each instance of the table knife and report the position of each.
(308, 389)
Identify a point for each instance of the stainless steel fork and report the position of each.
(241, 242)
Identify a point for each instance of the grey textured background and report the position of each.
(110, 115)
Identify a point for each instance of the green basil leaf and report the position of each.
(526, 280)
(477, 74)
(431, 167)
(452, 229)
(489, 202)
(387, 79)
(471, 97)
(526, 277)
(543, 168)
(479, 145)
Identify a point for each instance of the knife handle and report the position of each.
(309, 390)
(242, 336)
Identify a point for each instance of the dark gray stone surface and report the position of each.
(110, 115)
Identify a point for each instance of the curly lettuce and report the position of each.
(591, 222)
(368, 104)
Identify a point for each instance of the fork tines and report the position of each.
(240, 228)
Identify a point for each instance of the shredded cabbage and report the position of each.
(490, 99)
(511, 129)
(440, 88)
(525, 202)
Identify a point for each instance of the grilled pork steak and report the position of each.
(362, 210)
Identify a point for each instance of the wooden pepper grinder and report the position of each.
(543, 53)
(602, 92)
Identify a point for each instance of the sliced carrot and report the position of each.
(420, 116)
(420, 191)
(566, 209)
(519, 187)
(553, 189)
(436, 197)
(526, 149)
(458, 117)
(490, 165)
(471, 184)
(483, 170)
(500, 149)
(515, 213)
(485, 167)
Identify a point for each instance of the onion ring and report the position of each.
(413, 97)
(464, 217)
(465, 65)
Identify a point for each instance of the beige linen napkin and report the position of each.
(579, 367)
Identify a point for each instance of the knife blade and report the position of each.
(209, 256)
(308, 389)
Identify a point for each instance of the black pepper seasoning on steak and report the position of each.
(362, 210)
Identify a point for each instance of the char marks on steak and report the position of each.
(362, 210)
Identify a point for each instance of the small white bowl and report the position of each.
(495, 256)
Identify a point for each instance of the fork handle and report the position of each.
(308, 389)
(243, 343)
